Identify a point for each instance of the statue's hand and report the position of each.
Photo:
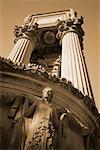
(63, 116)
(68, 111)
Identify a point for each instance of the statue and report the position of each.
(35, 125)
(42, 132)
(38, 125)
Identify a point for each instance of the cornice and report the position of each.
(34, 70)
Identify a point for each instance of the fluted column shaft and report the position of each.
(25, 43)
(72, 67)
(22, 50)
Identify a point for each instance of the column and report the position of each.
(22, 51)
(24, 46)
(73, 66)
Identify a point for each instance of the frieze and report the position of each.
(36, 70)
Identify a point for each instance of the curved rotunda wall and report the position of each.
(13, 85)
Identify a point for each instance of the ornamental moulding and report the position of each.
(38, 71)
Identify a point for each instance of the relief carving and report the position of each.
(56, 67)
(49, 37)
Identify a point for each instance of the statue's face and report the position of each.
(47, 94)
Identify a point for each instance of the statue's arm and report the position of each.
(55, 119)
(31, 109)
(73, 121)
(18, 102)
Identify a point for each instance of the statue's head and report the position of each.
(47, 94)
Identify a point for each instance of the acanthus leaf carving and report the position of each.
(25, 31)
(32, 69)
(71, 25)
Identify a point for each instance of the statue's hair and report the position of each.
(47, 88)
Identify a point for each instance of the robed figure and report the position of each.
(36, 127)
(42, 134)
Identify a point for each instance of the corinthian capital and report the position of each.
(25, 30)
(71, 24)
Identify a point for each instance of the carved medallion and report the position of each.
(49, 37)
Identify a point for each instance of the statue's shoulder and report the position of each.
(35, 99)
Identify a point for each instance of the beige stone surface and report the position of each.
(14, 12)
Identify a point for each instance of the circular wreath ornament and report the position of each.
(49, 37)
